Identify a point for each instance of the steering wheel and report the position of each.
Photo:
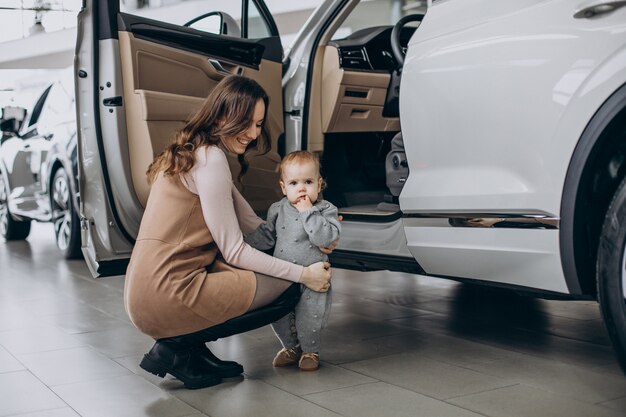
(396, 48)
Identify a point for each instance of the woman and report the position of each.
(190, 279)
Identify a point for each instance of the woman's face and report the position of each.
(238, 144)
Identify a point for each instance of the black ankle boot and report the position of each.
(171, 357)
(225, 369)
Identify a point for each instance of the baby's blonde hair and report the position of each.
(299, 157)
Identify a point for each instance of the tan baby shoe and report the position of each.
(287, 357)
(309, 361)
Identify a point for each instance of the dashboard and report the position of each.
(370, 49)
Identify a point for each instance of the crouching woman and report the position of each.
(191, 278)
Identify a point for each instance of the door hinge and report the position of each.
(84, 224)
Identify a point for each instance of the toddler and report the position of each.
(297, 226)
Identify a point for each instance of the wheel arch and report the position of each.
(596, 169)
(4, 173)
(54, 167)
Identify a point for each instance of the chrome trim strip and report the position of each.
(483, 220)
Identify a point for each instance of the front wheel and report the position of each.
(10, 229)
(64, 217)
(611, 273)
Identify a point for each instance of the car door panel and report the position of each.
(169, 73)
(19, 177)
(149, 77)
(26, 178)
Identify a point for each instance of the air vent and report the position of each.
(353, 58)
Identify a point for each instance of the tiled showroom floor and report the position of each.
(396, 345)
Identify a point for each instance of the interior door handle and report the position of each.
(217, 65)
(598, 8)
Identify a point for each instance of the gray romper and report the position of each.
(296, 237)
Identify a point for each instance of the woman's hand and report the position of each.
(316, 276)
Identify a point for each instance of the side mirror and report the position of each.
(219, 23)
(12, 119)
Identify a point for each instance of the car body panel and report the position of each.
(29, 159)
(504, 156)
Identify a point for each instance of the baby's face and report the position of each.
(300, 180)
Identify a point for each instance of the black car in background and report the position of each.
(38, 168)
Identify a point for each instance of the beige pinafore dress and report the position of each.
(176, 281)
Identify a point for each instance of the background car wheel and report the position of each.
(10, 228)
(64, 217)
(611, 273)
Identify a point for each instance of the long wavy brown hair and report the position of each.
(231, 103)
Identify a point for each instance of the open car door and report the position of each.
(137, 81)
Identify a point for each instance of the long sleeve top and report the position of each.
(227, 214)
(296, 235)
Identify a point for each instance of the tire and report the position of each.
(10, 229)
(611, 273)
(64, 218)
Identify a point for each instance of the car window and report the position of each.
(186, 11)
(289, 16)
(373, 13)
(257, 26)
(59, 108)
(36, 112)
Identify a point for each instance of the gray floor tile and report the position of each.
(566, 379)
(291, 379)
(524, 401)
(458, 351)
(120, 341)
(126, 396)
(57, 412)
(37, 339)
(436, 379)
(380, 399)
(341, 348)
(8, 363)
(361, 327)
(23, 393)
(54, 303)
(580, 310)
(612, 368)
(88, 320)
(618, 404)
(250, 398)
(420, 335)
(66, 366)
(15, 317)
(592, 331)
(373, 309)
(510, 322)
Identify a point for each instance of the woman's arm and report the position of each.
(248, 220)
(264, 237)
(214, 184)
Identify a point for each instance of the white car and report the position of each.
(512, 113)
